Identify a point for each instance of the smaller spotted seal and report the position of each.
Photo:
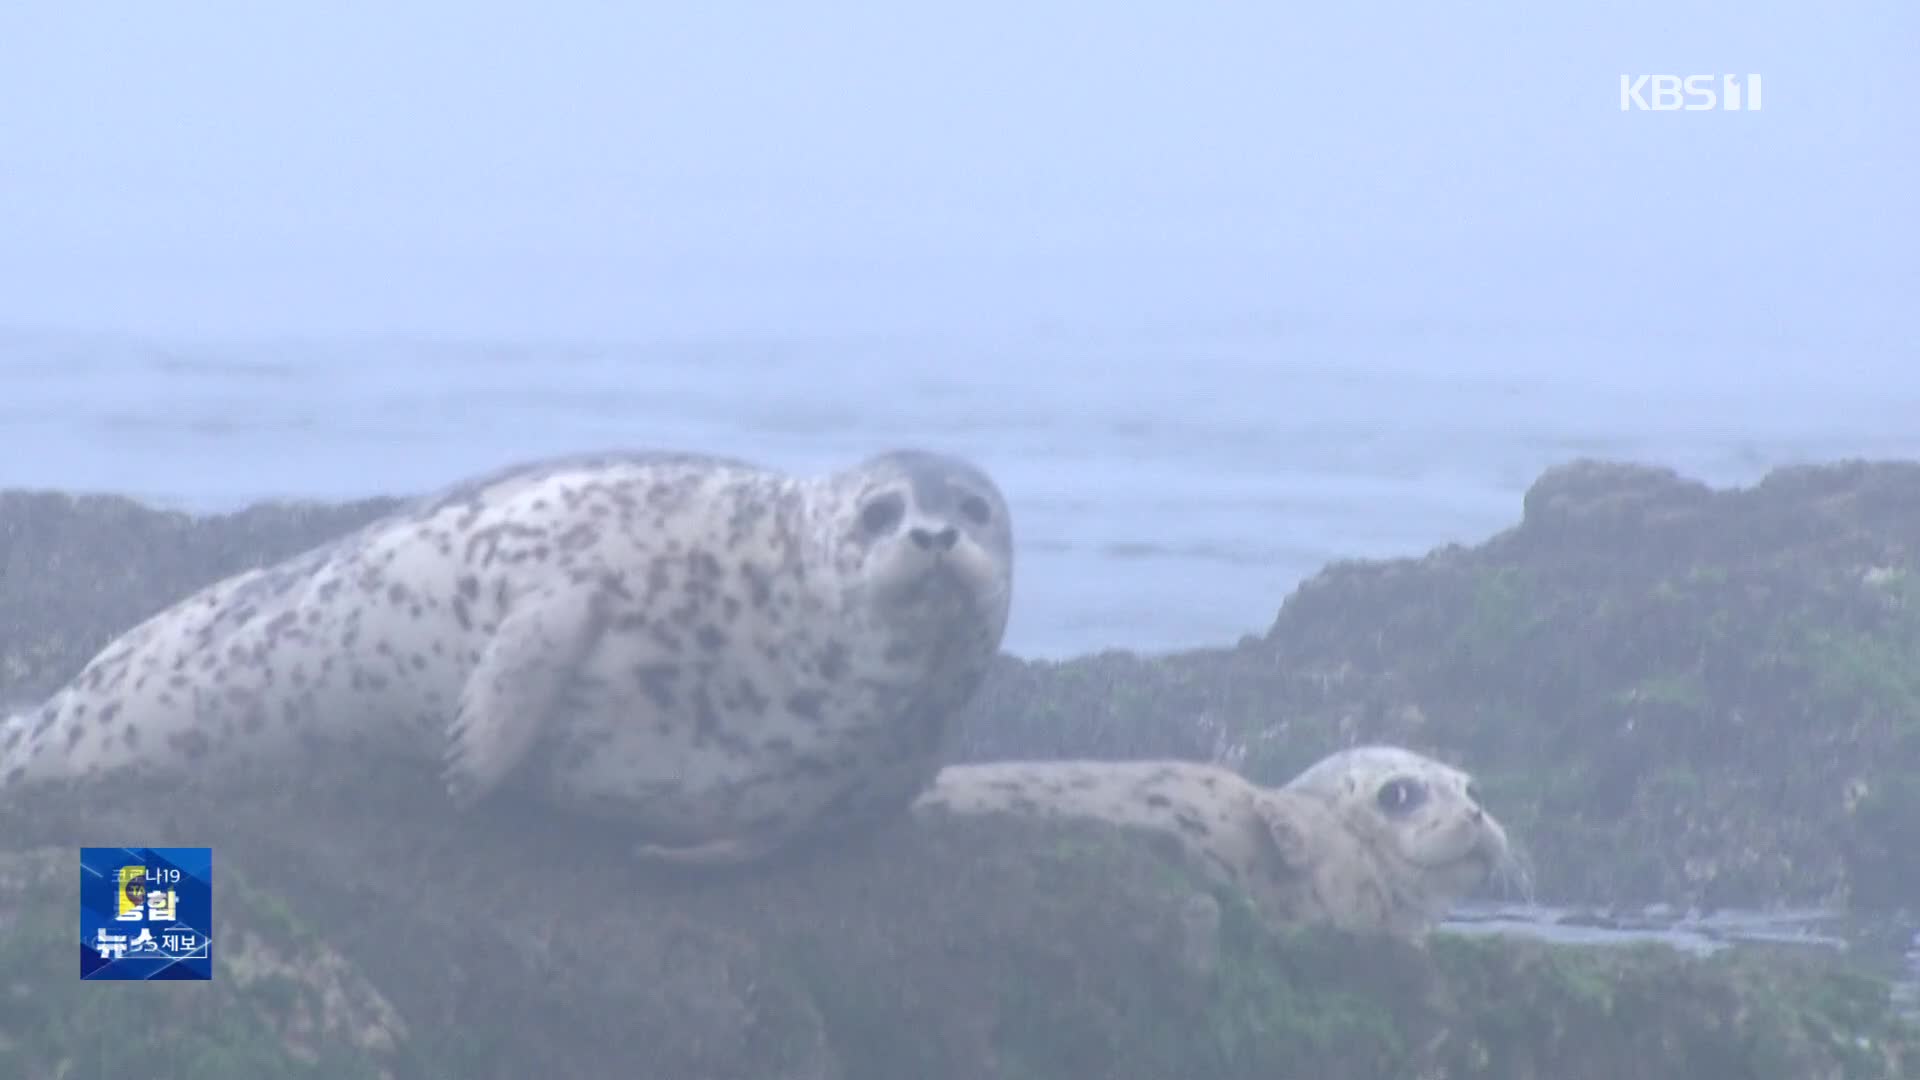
(1373, 839)
(722, 658)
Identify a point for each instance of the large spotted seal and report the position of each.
(725, 657)
(1373, 839)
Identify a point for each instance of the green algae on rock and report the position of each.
(280, 1007)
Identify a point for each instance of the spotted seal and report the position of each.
(724, 657)
(1374, 839)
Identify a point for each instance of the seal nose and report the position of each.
(929, 540)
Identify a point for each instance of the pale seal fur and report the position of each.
(1374, 839)
(724, 657)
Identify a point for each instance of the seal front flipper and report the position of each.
(1289, 823)
(515, 688)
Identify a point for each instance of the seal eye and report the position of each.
(1400, 795)
(882, 514)
(975, 509)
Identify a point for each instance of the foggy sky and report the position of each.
(634, 171)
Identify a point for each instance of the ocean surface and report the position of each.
(1170, 487)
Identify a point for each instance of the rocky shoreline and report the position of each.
(1670, 693)
(1675, 694)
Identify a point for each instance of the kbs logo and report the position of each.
(1689, 93)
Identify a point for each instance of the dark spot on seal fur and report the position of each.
(772, 821)
(1159, 801)
(703, 565)
(759, 588)
(834, 661)
(752, 699)
(813, 765)
(193, 744)
(806, 704)
(710, 638)
(656, 681)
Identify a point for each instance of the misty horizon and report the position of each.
(484, 171)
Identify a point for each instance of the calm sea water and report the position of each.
(1169, 488)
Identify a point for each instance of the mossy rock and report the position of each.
(508, 943)
(286, 1005)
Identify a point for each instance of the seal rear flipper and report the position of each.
(1289, 822)
(514, 690)
(730, 851)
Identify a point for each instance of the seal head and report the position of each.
(1377, 840)
(929, 541)
(1421, 819)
